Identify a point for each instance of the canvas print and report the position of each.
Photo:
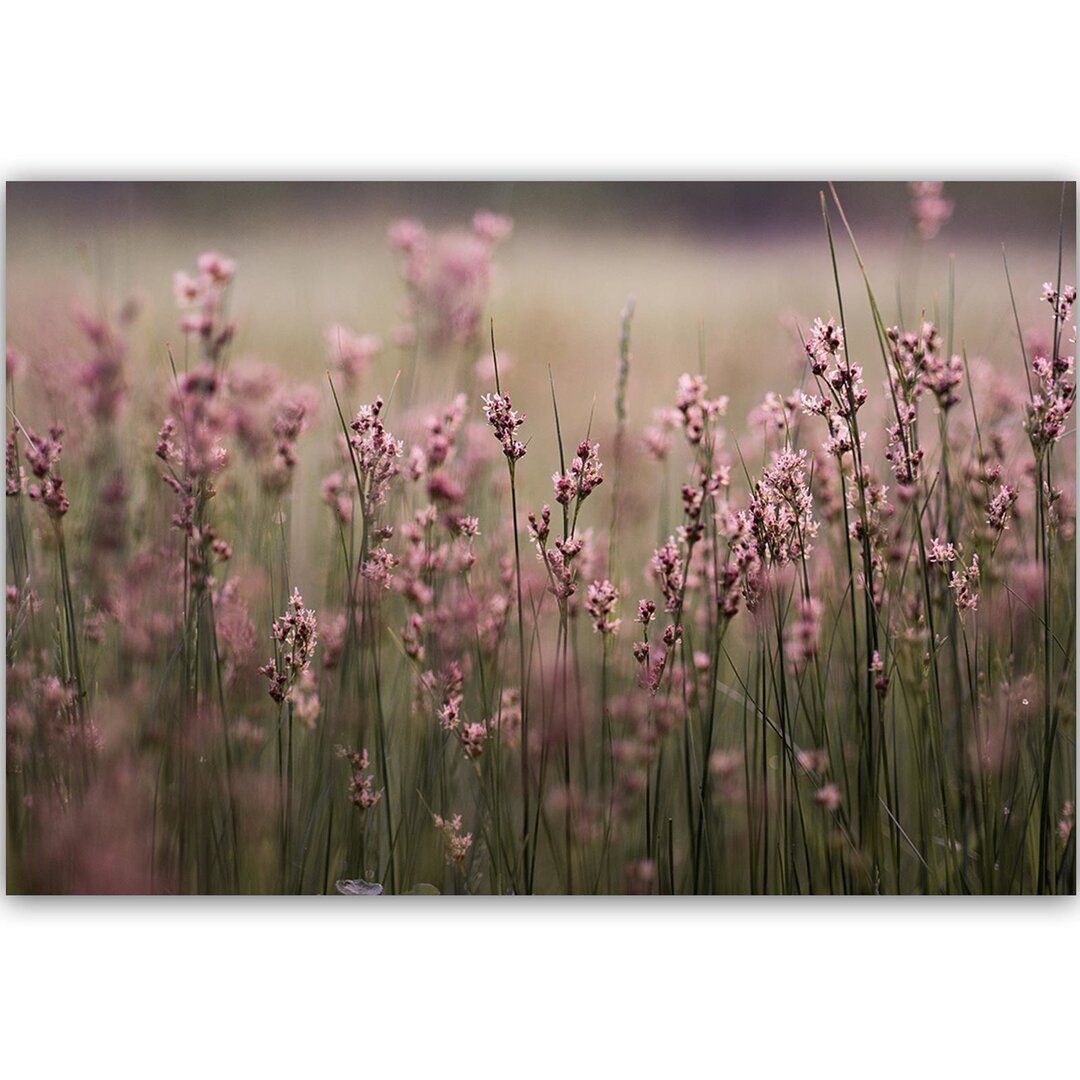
(520, 539)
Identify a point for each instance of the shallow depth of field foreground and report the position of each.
(512, 542)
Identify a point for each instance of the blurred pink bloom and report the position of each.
(828, 798)
(929, 207)
(352, 354)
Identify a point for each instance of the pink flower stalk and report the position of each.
(725, 762)
(776, 414)
(362, 793)
(641, 877)
(781, 510)
(1049, 408)
(15, 363)
(999, 509)
(473, 737)
(504, 423)
(658, 437)
(963, 584)
(201, 299)
(337, 492)
(412, 637)
(964, 579)
(203, 423)
(941, 552)
(652, 666)
(352, 354)
(881, 676)
(559, 561)
(600, 604)
(375, 452)
(696, 408)
(694, 498)
(296, 635)
(507, 718)
(304, 698)
(101, 376)
(929, 207)
(334, 633)
(814, 761)
(825, 343)
(667, 568)
(745, 562)
(1055, 395)
(844, 393)
(216, 268)
(941, 376)
(828, 798)
(540, 528)
(449, 713)
(646, 612)
(1066, 822)
(378, 566)
(457, 842)
(290, 422)
(436, 459)
(912, 356)
(585, 475)
(915, 365)
(235, 630)
(1061, 302)
(194, 453)
(447, 277)
(491, 226)
(802, 640)
(42, 456)
(903, 453)
(847, 385)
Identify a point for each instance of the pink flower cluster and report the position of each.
(585, 476)
(696, 408)
(964, 579)
(457, 841)
(1055, 395)
(929, 207)
(362, 793)
(296, 635)
(600, 604)
(559, 559)
(350, 353)
(781, 510)
(101, 376)
(375, 452)
(201, 298)
(504, 423)
(42, 455)
(447, 278)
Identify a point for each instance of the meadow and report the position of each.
(482, 557)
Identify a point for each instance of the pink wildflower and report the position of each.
(600, 604)
(828, 798)
(457, 842)
(295, 634)
(929, 207)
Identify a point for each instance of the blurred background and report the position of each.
(726, 277)
(707, 210)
